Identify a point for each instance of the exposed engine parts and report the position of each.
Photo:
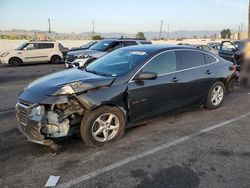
(60, 118)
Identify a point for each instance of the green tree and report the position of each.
(96, 37)
(225, 34)
(140, 35)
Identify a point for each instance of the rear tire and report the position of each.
(15, 61)
(216, 95)
(103, 125)
(55, 59)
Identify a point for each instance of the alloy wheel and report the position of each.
(217, 95)
(105, 127)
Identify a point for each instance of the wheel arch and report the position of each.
(15, 57)
(110, 104)
(225, 82)
(55, 55)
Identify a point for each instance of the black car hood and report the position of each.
(48, 85)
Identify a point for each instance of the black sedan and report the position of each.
(127, 87)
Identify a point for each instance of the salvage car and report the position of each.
(126, 87)
(34, 51)
(83, 57)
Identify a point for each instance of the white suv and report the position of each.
(34, 51)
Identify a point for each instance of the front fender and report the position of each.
(115, 95)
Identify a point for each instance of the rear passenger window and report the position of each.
(191, 59)
(45, 45)
(162, 64)
(209, 59)
(129, 43)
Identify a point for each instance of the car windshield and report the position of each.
(87, 45)
(21, 46)
(117, 63)
(101, 46)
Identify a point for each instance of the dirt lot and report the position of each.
(200, 148)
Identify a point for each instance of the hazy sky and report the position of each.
(122, 15)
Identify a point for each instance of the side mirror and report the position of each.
(146, 76)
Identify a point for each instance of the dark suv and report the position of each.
(82, 57)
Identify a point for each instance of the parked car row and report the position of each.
(81, 58)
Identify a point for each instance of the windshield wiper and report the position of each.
(97, 73)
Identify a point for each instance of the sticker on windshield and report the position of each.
(138, 53)
(105, 44)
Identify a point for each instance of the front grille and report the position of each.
(70, 58)
(23, 110)
(23, 117)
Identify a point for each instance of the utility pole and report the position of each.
(249, 19)
(49, 25)
(160, 30)
(168, 31)
(239, 34)
(93, 28)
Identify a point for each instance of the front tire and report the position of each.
(55, 59)
(15, 61)
(216, 95)
(103, 125)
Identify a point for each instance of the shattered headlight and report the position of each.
(72, 88)
(38, 111)
(65, 90)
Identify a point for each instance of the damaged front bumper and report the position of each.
(30, 126)
(42, 124)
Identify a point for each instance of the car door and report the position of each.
(197, 76)
(148, 98)
(227, 50)
(45, 50)
(29, 52)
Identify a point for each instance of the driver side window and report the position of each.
(115, 46)
(162, 64)
(31, 46)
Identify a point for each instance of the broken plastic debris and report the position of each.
(52, 181)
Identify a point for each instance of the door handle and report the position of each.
(175, 79)
(209, 72)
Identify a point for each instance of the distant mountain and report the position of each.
(86, 35)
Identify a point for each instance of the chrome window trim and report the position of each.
(217, 60)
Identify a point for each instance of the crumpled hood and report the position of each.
(50, 84)
(92, 53)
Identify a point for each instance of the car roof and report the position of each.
(41, 42)
(125, 39)
(153, 48)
